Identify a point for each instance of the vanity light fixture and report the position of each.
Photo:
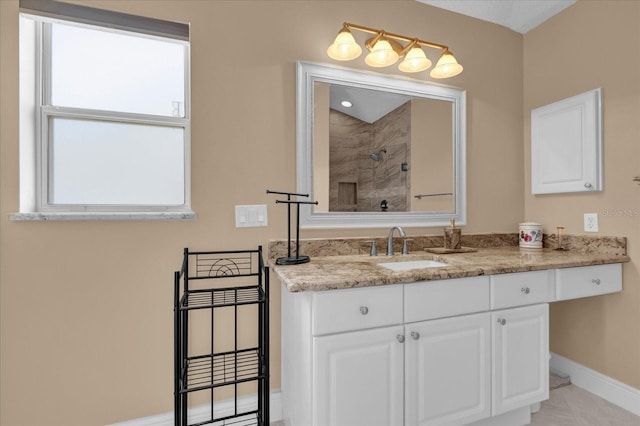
(414, 60)
(382, 52)
(344, 47)
(386, 50)
(447, 66)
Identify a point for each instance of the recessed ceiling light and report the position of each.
(346, 104)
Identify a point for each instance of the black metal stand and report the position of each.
(298, 259)
(237, 368)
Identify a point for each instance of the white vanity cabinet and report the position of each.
(343, 357)
(463, 351)
(447, 351)
(358, 378)
(475, 363)
(358, 375)
(520, 358)
(448, 370)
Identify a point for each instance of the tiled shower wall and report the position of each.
(358, 183)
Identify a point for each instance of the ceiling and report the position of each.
(519, 15)
(367, 105)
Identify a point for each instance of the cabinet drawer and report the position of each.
(573, 283)
(444, 298)
(356, 309)
(521, 288)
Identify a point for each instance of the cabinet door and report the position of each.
(447, 370)
(520, 357)
(566, 145)
(358, 378)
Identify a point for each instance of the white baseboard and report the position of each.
(201, 412)
(590, 380)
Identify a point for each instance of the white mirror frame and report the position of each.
(307, 74)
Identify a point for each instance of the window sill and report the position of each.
(107, 216)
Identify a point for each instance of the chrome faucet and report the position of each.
(390, 239)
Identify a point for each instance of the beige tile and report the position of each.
(573, 406)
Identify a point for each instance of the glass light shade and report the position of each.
(382, 55)
(344, 47)
(415, 61)
(446, 67)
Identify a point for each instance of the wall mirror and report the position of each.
(378, 151)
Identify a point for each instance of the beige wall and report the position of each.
(321, 113)
(431, 154)
(86, 307)
(594, 44)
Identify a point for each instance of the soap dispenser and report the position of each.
(453, 237)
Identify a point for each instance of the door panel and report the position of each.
(447, 374)
(521, 357)
(358, 378)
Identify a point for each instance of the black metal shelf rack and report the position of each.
(241, 288)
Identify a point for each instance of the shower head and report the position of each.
(376, 155)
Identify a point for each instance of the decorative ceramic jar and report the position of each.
(530, 235)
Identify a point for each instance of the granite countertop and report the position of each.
(361, 270)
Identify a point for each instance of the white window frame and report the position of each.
(37, 113)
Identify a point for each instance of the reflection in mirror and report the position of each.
(374, 150)
(372, 142)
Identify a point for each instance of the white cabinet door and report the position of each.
(358, 378)
(566, 145)
(520, 357)
(447, 370)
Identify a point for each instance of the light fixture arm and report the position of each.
(380, 33)
(409, 46)
(372, 41)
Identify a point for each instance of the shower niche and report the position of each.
(347, 197)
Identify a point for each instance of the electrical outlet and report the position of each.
(591, 222)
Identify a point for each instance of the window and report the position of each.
(104, 116)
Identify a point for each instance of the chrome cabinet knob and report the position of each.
(587, 185)
(364, 310)
(596, 281)
(400, 338)
(415, 335)
(502, 321)
(525, 290)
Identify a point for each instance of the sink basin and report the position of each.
(412, 264)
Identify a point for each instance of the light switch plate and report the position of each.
(251, 216)
(591, 222)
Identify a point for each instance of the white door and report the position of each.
(358, 378)
(520, 357)
(447, 375)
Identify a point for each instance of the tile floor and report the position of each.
(573, 406)
(569, 405)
